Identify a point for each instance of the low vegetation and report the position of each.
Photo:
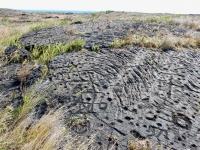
(30, 100)
(40, 25)
(109, 11)
(43, 54)
(96, 48)
(5, 19)
(158, 19)
(139, 144)
(33, 137)
(44, 134)
(154, 43)
(11, 37)
(16, 132)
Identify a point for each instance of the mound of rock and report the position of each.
(10, 92)
(129, 93)
(120, 93)
(43, 36)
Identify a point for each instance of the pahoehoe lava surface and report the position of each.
(131, 92)
(43, 36)
(128, 92)
(10, 93)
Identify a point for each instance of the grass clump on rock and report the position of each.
(44, 53)
(154, 43)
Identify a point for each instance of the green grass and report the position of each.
(30, 100)
(96, 48)
(5, 19)
(12, 40)
(40, 25)
(158, 19)
(46, 24)
(3, 148)
(64, 22)
(136, 19)
(118, 43)
(43, 54)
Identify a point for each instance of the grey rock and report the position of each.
(10, 50)
(43, 36)
(126, 96)
(10, 92)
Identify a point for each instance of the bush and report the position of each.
(109, 11)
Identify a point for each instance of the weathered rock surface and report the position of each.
(125, 93)
(134, 92)
(12, 53)
(10, 50)
(43, 36)
(10, 92)
(96, 34)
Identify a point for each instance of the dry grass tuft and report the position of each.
(46, 134)
(167, 44)
(139, 144)
(153, 43)
(23, 73)
(197, 39)
(25, 137)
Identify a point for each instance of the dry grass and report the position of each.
(33, 138)
(46, 134)
(26, 69)
(9, 35)
(6, 119)
(154, 43)
(139, 144)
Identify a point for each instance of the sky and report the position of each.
(147, 6)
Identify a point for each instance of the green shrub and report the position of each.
(94, 14)
(109, 11)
